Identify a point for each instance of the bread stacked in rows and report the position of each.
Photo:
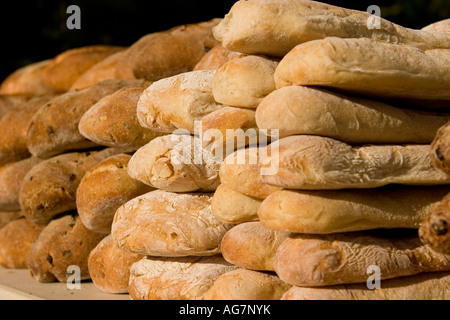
(282, 152)
(337, 201)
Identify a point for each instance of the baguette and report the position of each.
(167, 224)
(215, 58)
(189, 278)
(54, 128)
(244, 81)
(68, 66)
(112, 121)
(27, 80)
(317, 163)
(16, 239)
(440, 149)
(230, 206)
(63, 243)
(427, 286)
(439, 26)
(175, 163)
(178, 51)
(229, 129)
(240, 172)
(49, 188)
(243, 284)
(274, 27)
(13, 129)
(177, 102)
(249, 245)
(435, 228)
(103, 70)
(109, 266)
(334, 211)
(302, 110)
(324, 260)
(11, 177)
(103, 189)
(370, 68)
(8, 216)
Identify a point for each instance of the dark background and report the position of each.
(36, 30)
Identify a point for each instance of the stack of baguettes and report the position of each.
(79, 138)
(336, 203)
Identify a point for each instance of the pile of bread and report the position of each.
(286, 151)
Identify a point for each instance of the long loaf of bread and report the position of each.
(177, 102)
(188, 278)
(244, 284)
(250, 245)
(314, 163)
(435, 228)
(427, 286)
(113, 122)
(370, 68)
(50, 187)
(175, 163)
(244, 81)
(103, 189)
(274, 27)
(230, 206)
(332, 211)
(323, 260)
(169, 224)
(305, 110)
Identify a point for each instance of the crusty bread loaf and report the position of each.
(244, 80)
(64, 242)
(8, 216)
(175, 163)
(11, 177)
(103, 70)
(103, 189)
(323, 260)
(252, 246)
(215, 58)
(16, 239)
(439, 26)
(188, 278)
(240, 172)
(230, 206)
(274, 27)
(68, 66)
(50, 187)
(304, 110)
(14, 127)
(113, 122)
(27, 80)
(426, 286)
(440, 149)
(435, 228)
(10, 101)
(109, 266)
(332, 211)
(168, 224)
(229, 129)
(124, 67)
(315, 163)
(244, 284)
(177, 102)
(54, 128)
(178, 51)
(370, 68)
